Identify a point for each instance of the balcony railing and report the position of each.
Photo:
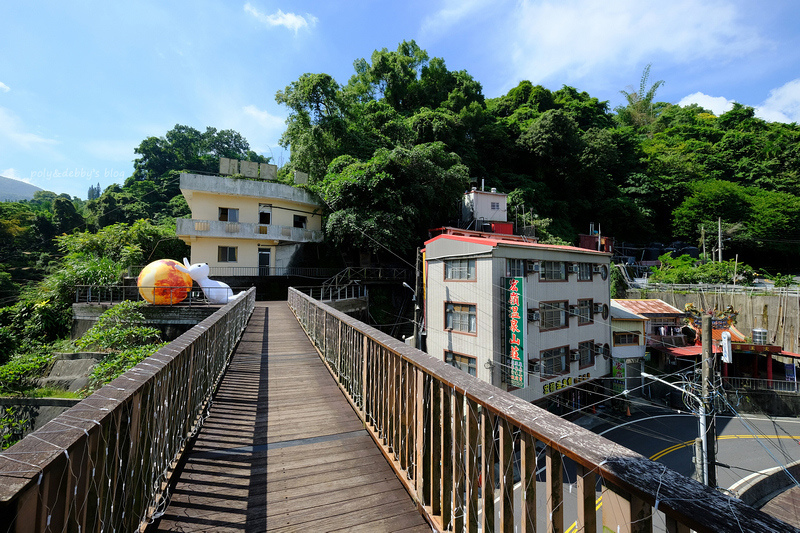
(218, 228)
(779, 385)
(459, 445)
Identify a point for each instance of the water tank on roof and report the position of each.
(759, 336)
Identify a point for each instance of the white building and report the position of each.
(527, 317)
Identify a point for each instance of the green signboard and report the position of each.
(516, 327)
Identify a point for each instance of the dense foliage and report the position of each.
(648, 171)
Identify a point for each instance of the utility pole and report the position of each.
(708, 423)
(703, 240)
(417, 340)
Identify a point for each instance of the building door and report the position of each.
(263, 262)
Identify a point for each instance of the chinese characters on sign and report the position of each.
(515, 331)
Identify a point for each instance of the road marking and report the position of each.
(658, 455)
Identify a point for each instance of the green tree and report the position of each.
(640, 110)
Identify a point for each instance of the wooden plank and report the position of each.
(506, 463)
(528, 465)
(587, 508)
(555, 493)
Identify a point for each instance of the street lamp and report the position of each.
(703, 437)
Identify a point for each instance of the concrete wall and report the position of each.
(778, 314)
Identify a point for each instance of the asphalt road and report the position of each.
(746, 445)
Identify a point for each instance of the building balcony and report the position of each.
(241, 230)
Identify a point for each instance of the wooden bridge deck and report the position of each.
(282, 450)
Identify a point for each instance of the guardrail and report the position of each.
(104, 464)
(231, 271)
(326, 294)
(458, 444)
(724, 289)
(760, 384)
(119, 293)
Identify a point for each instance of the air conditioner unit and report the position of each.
(572, 269)
(574, 355)
(598, 349)
(598, 308)
(573, 310)
(533, 266)
(597, 269)
(533, 315)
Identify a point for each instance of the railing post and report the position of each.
(528, 479)
(487, 470)
(587, 506)
(555, 492)
(506, 448)
(625, 513)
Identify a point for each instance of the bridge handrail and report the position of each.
(430, 420)
(104, 464)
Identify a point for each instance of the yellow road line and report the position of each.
(666, 451)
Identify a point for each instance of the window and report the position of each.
(460, 317)
(554, 361)
(626, 338)
(586, 353)
(515, 268)
(462, 362)
(226, 254)
(264, 214)
(495, 206)
(228, 214)
(553, 270)
(553, 315)
(585, 312)
(300, 221)
(584, 272)
(459, 269)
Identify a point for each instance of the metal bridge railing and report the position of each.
(468, 452)
(104, 464)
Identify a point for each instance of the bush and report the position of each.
(115, 364)
(120, 328)
(24, 368)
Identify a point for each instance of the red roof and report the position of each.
(648, 306)
(493, 239)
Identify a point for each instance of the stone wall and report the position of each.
(778, 314)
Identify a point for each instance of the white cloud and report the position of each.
(4, 88)
(783, 104)
(12, 129)
(581, 38)
(264, 118)
(13, 174)
(453, 12)
(279, 18)
(716, 104)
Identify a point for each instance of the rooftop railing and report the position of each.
(104, 464)
(468, 452)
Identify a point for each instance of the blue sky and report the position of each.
(82, 83)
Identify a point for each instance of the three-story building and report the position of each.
(527, 317)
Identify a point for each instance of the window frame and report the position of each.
(551, 354)
(585, 311)
(547, 266)
(471, 363)
(586, 350)
(448, 263)
(471, 314)
(224, 214)
(300, 222)
(227, 258)
(547, 311)
(623, 337)
(265, 209)
(585, 271)
(515, 268)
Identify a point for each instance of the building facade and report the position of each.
(529, 318)
(246, 227)
(628, 347)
